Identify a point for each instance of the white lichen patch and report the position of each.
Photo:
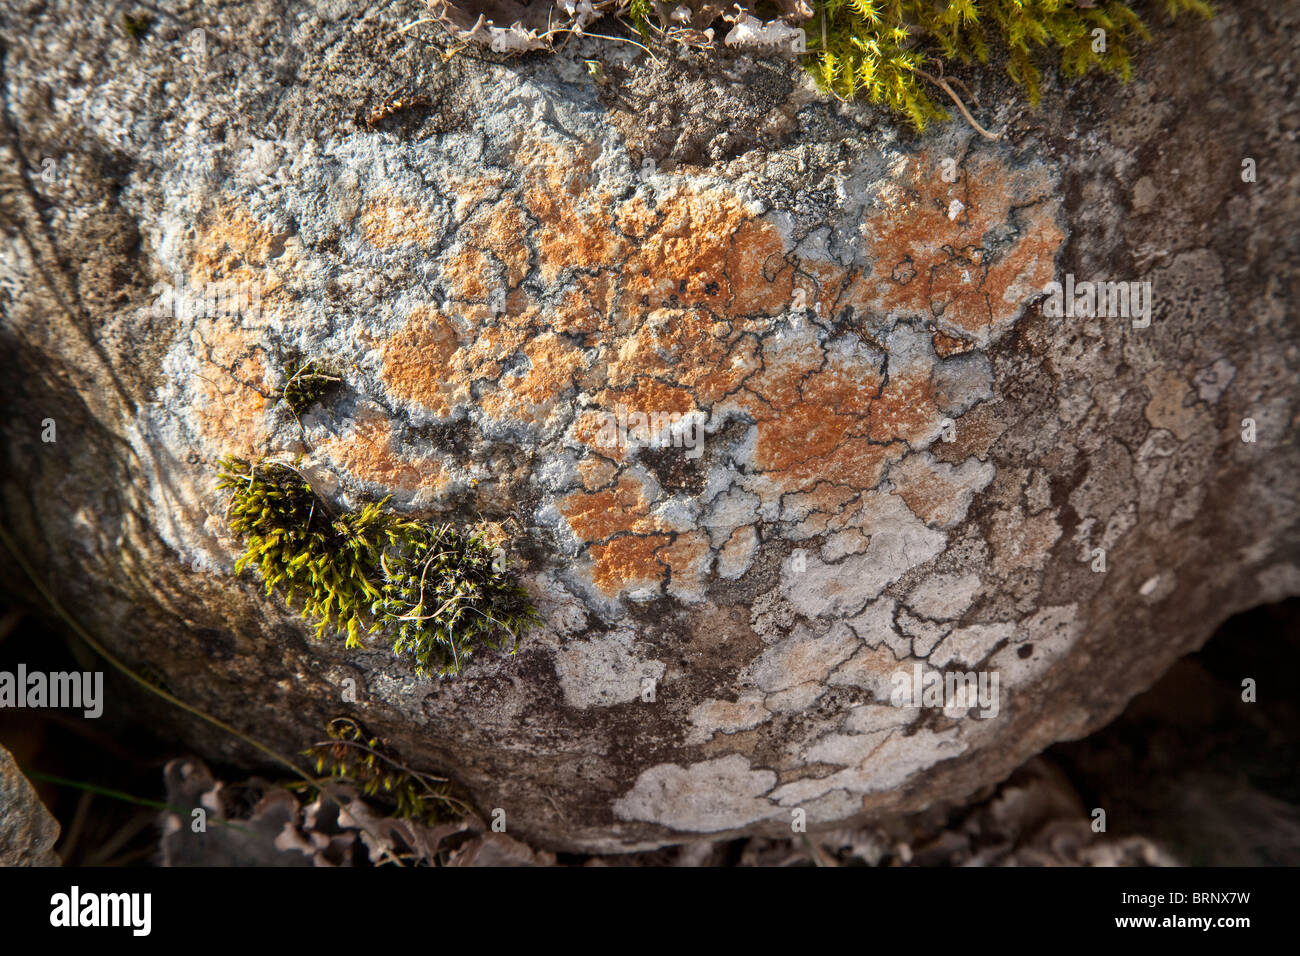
(720, 794)
(871, 669)
(899, 542)
(970, 645)
(1041, 640)
(944, 597)
(875, 626)
(842, 543)
(737, 554)
(867, 718)
(940, 493)
(795, 700)
(732, 509)
(801, 658)
(725, 717)
(925, 634)
(888, 758)
(845, 750)
(600, 673)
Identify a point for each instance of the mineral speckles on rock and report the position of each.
(27, 830)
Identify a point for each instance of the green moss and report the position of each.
(135, 25)
(438, 591)
(880, 49)
(307, 385)
(640, 12)
(352, 756)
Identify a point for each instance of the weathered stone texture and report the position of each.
(27, 831)
(903, 459)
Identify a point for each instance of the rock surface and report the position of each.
(888, 454)
(27, 831)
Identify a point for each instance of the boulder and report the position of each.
(774, 404)
(27, 831)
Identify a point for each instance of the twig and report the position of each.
(602, 36)
(412, 26)
(943, 85)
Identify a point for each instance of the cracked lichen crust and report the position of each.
(550, 287)
(564, 290)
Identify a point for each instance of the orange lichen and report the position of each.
(596, 472)
(532, 395)
(231, 388)
(649, 397)
(627, 562)
(561, 294)
(468, 191)
(590, 428)
(928, 244)
(417, 359)
(491, 252)
(805, 444)
(584, 308)
(812, 417)
(632, 561)
(683, 255)
(598, 515)
(232, 246)
(368, 453)
(905, 409)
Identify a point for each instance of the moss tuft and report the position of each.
(352, 756)
(135, 25)
(439, 591)
(306, 386)
(881, 49)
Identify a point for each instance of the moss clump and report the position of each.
(306, 386)
(883, 50)
(880, 48)
(352, 756)
(438, 590)
(640, 12)
(135, 25)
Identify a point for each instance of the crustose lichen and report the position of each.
(440, 592)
